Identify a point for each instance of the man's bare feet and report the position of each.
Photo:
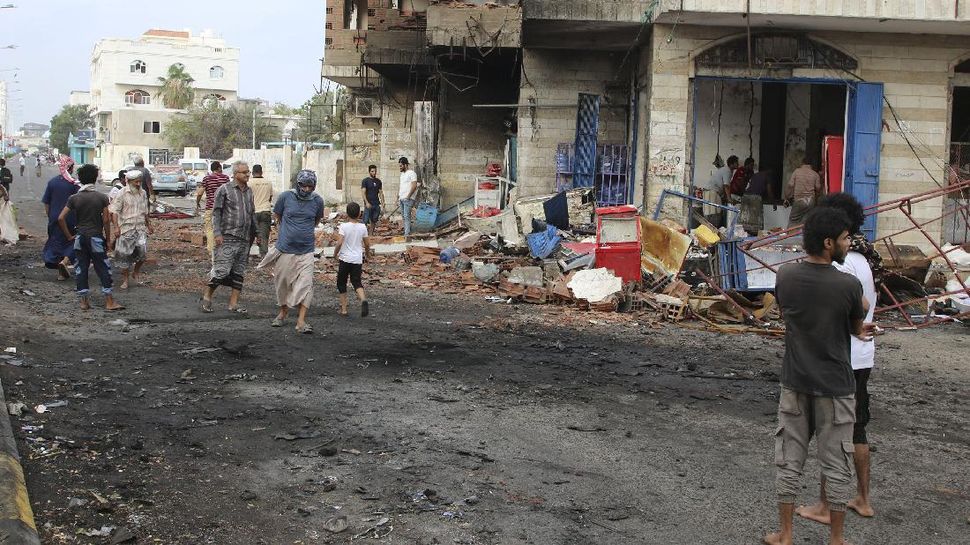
(111, 304)
(776, 539)
(818, 512)
(861, 507)
(85, 305)
(124, 285)
(62, 273)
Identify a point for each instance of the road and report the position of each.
(439, 419)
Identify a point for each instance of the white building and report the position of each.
(126, 85)
(80, 98)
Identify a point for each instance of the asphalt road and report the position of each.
(439, 419)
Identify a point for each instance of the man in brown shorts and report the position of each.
(823, 308)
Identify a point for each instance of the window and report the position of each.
(216, 72)
(138, 67)
(328, 41)
(152, 127)
(329, 11)
(137, 96)
(329, 26)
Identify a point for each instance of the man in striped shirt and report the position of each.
(210, 184)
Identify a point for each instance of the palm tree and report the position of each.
(177, 91)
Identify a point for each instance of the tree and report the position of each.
(177, 91)
(69, 119)
(323, 117)
(216, 130)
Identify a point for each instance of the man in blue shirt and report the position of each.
(297, 212)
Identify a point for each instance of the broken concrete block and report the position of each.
(527, 276)
(595, 285)
(467, 240)
(484, 272)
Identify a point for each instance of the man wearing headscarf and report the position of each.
(297, 212)
(233, 229)
(58, 248)
(129, 210)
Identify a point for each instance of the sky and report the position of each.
(280, 45)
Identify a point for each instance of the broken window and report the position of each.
(776, 51)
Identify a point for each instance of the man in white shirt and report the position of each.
(713, 190)
(863, 354)
(406, 191)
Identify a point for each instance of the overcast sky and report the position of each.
(280, 45)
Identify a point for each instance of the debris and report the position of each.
(123, 535)
(527, 276)
(10, 350)
(40, 409)
(248, 495)
(472, 500)
(187, 375)
(76, 502)
(328, 451)
(544, 243)
(28, 293)
(105, 531)
(336, 525)
(16, 409)
(293, 436)
(448, 254)
(87, 360)
(484, 272)
(595, 285)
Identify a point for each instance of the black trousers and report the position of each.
(351, 270)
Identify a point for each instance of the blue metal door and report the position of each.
(587, 125)
(863, 135)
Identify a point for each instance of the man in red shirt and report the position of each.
(213, 181)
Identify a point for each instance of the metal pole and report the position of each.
(254, 128)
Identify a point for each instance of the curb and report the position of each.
(16, 518)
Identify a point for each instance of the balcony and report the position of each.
(896, 16)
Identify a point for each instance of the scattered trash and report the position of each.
(123, 535)
(87, 360)
(294, 436)
(16, 409)
(76, 502)
(336, 525)
(28, 293)
(484, 272)
(105, 531)
(10, 350)
(187, 375)
(595, 285)
(248, 495)
(40, 409)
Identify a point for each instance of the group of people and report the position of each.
(750, 189)
(84, 226)
(828, 302)
(233, 222)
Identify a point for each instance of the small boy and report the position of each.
(352, 246)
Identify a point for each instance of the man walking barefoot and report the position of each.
(822, 308)
(130, 213)
(93, 236)
(234, 229)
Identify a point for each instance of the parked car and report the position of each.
(172, 182)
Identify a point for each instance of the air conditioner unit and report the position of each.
(367, 107)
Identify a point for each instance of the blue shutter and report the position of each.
(587, 125)
(863, 135)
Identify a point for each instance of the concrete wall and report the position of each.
(553, 79)
(916, 72)
(324, 163)
(475, 26)
(279, 165)
(127, 127)
(112, 157)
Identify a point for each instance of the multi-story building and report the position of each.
(633, 97)
(126, 85)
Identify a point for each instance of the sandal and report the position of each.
(276, 322)
(307, 329)
(206, 304)
(237, 310)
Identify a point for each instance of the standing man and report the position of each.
(23, 164)
(372, 191)
(210, 184)
(37, 165)
(803, 189)
(6, 177)
(146, 179)
(234, 228)
(263, 197)
(823, 308)
(92, 238)
(406, 192)
(863, 360)
(129, 211)
(756, 194)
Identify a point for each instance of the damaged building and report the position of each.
(631, 98)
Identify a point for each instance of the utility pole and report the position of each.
(254, 127)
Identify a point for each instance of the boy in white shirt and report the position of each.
(352, 246)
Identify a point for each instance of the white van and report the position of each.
(194, 170)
